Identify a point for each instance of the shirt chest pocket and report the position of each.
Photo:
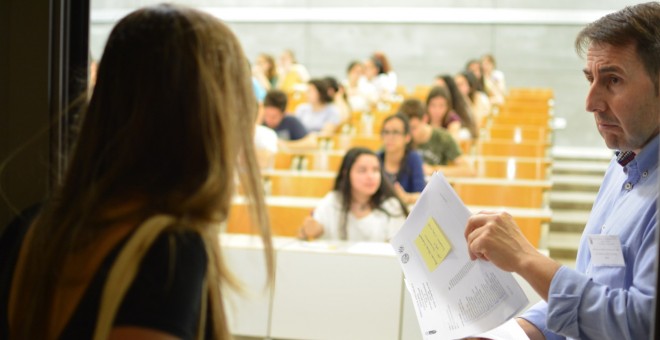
(615, 276)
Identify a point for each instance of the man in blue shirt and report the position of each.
(610, 293)
(290, 131)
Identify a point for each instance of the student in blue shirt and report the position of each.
(601, 298)
(401, 164)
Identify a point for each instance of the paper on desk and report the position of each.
(454, 297)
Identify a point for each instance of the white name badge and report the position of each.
(605, 250)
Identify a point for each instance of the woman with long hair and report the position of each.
(265, 71)
(401, 164)
(477, 100)
(362, 205)
(127, 246)
(460, 107)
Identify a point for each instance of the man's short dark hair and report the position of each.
(639, 25)
(412, 108)
(276, 99)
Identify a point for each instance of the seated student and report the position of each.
(361, 207)
(265, 142)
(439, 111)
(290, 131)
(291, 73)
(494, 81)
(401, 164)
(362, 94)
(380, 74)
(319, 114)
(459, 105)
(339, 98)
(265, 71)
(438, 149)
(479, 103)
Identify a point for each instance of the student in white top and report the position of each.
(380, 73)
(493, 79)
(362, 206)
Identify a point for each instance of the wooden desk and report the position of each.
(286, 215)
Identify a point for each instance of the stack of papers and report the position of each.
(454, 297)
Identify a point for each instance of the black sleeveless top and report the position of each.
(165, 295)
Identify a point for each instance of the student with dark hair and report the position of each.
(610, 293)
(440, 113)
(362, 205)
(127, 245)
(474, 66)
(287, 127)
(319, 114)
(478, 101)
(380, 73)
(460, 107)
(338, 94)
(437, 147)
(290, 131)
(402, 164)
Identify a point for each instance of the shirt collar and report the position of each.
(647, 159)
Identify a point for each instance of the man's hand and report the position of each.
(495, 237)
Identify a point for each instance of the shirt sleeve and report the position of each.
(326, 214)
(166, 293)
(297, 130)
(604, 312)
(579, 307)
(416, 172)
(450, 147)
(537, 315)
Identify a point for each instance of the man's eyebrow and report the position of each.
(610, 69)
(604, 69)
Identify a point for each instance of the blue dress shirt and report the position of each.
(597, 302)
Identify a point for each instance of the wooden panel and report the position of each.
(298, 185)
(521, 120)
(509, 148)
(532, 228)
(284, 221)
(520, 133)
(512, 168)
(345, 142)
(511, 195)
(294, 99)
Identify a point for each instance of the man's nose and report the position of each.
(595, 100)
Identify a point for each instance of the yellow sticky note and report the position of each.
(432, 244)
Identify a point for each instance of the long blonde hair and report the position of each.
(169, 126)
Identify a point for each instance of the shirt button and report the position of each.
(603, 227)
(628, 186)
(645, 173)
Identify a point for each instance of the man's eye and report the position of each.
(614, 80)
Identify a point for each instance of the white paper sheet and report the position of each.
(454, 297)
